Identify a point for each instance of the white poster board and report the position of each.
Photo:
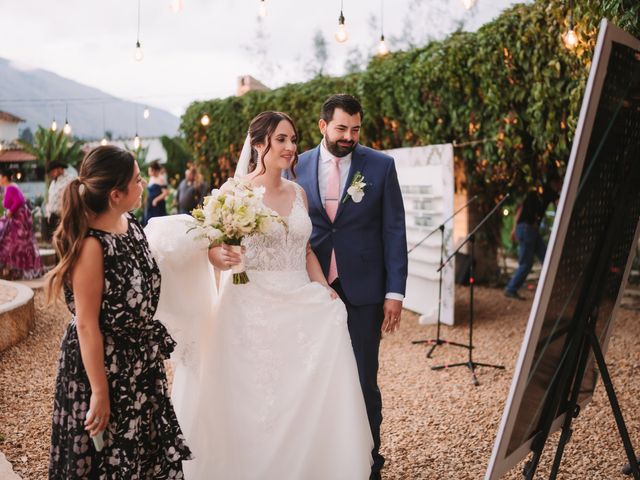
(426, 179)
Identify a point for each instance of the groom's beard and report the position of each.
(340, 148)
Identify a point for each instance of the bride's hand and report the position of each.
(332, 292)
(223, 257)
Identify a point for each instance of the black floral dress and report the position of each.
(143, 439)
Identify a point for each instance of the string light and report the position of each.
(468, 4)
(104, 141)
(341, 35)
(262, 12)
(570, 39)
(146, 113)
(205, 120)
(382, 46)
(54, 125)
(67, 128)
(136, 141)
(138, 54)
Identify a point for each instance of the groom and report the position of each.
(359, 238)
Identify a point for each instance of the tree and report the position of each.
(26, 135)
(139, 153)
(178, 155)
(318, 64)
(258, 49)
(355, 62)
(49, 146)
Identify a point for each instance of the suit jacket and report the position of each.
(369, 237)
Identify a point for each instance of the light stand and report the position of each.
(435, 342)
(470, 364)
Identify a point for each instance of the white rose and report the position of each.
(355, 194)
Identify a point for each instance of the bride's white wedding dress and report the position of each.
(277, 394)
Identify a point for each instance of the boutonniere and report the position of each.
(356, 189)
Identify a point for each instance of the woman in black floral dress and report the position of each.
(111, 378)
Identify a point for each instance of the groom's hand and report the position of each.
(392, 310)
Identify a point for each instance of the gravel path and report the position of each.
(437, 424)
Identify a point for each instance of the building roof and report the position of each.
(15, 155)
(246, 83)
(10, 117)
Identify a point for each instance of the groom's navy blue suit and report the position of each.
(370, 245)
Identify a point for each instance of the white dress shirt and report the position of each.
(324, 165)
(56, 189)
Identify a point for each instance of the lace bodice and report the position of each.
(281, 249)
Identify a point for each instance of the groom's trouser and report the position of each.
(365, 323)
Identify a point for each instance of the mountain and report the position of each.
(35, 95)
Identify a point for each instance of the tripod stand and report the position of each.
(435, 342)
(470, 364)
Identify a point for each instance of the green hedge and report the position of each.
(510, 93)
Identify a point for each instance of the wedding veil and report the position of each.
(242, 168)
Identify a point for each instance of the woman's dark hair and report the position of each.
(155, 166)
(103, 169)
(261, 129)
(6, 172)
(343, 101)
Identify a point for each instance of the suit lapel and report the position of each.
(314, 188)
(357, 165)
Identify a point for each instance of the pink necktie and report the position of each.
(331, 200)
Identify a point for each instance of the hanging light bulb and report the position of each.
(54, 125)
(468, 4)
(205, 120)
(138, 54)
(570, 39)
(136, 141)
(341, 35)
(67, 128)
(262, 12)
(176, 6)
(382, 47)
(104, 141)
(146, 113)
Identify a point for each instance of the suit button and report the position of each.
(334, 230)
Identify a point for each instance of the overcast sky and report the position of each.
(199, 52)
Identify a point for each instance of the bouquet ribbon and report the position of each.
(240, 276)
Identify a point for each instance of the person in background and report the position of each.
(526, 231)
(203, 186)
(59, 180)
(19, 257)
(157, 192)
(111, 382)
(359, 237)
(188, 195)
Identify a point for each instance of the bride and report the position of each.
(268, 387)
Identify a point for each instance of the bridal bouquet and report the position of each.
(230, 214)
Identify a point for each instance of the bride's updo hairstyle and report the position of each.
(103, 169)
(261, 130)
